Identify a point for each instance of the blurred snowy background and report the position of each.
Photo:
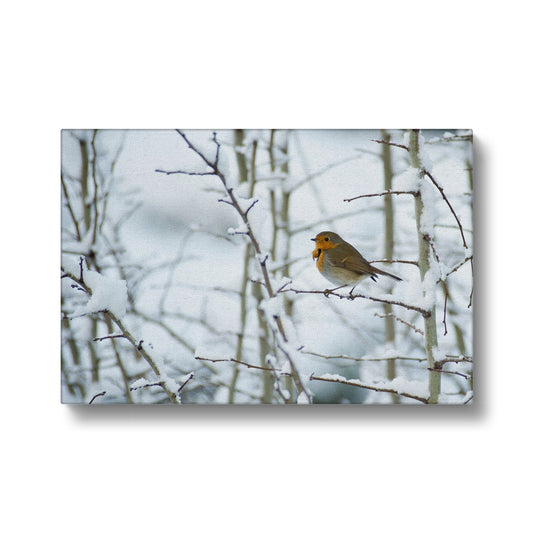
(178, 306)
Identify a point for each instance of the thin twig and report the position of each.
(460, 264)
(118, 336)
(366, 358)
(449, 372)
(441, 190)
(377, 194)
(233, 360)
(453, 359)
(96, 396)
(407, 262)
(408, 324)
(381, 141)
(445, 305)
(189, 378)
(186, 172)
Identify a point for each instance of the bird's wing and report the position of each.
(351, 260)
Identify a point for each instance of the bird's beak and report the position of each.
(313, 239)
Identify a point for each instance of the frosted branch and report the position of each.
(384, 387)
(126, 334)
(243, 214)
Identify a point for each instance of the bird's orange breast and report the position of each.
(319, 253)
(320, 259)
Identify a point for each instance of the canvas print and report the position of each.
(267, 267)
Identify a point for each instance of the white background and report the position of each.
(285, 65)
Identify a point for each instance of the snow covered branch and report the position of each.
(400, 386)
(143, 384)
(106, 303)
(243, 212)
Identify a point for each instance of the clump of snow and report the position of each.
(239, 230)
(438, 354)
(423, 154)
(272, 308)
(140, 383)
(303, 399)
(108, 294)
(286, 368)
(406, 386)
(242, 191)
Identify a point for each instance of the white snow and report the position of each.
(239, 230)
(175, 250)
(302, 399)
(108, 294)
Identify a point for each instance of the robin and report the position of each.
(340, 263)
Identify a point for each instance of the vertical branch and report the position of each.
(243, 177)
(240, 156)
(120, 364)
(388, 210)
(469, 164)
(284, 225)
(424, 253)
(285, 221)
(94, 172)
(273, 203)
(84, 182)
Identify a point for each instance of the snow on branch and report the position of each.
(81, 282)
(142, 383)
(232, 198)
(410, 389)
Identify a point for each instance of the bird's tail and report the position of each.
(383, 273)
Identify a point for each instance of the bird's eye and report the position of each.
(326, 239)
